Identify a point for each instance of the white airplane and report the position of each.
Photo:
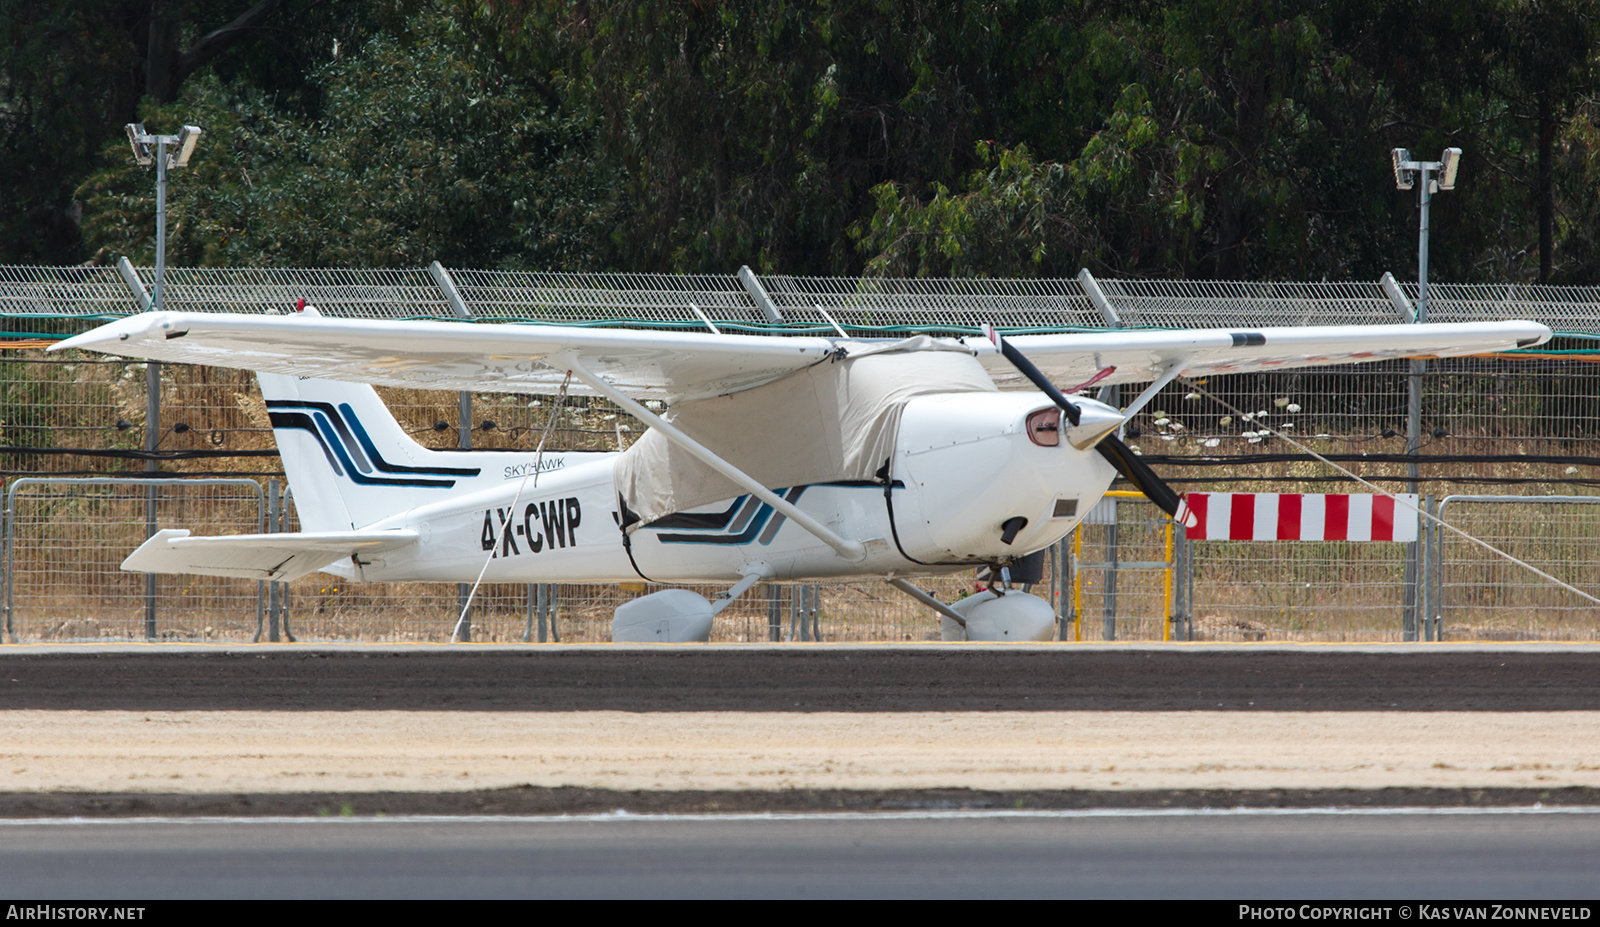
(778, 458)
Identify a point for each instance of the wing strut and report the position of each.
(1169, 373)
(852, 551)
(927, 600)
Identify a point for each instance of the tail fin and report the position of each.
(349, 462)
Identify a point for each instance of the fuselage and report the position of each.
(965, 468)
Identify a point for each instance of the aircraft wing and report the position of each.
(1140, 356)
(504, 358)
(286, 556)
(520, 358)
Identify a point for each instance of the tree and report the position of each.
(752, 133)
(424, 151)
(72, 74)
(1231, 142)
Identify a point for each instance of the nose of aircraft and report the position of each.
(1095, 421)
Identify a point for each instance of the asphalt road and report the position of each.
(800, 678)
(1402, 858)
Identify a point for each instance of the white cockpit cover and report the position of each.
(833, 421)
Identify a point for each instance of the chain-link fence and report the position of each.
(1122, 560)
(1126, 574)
(1520, 422)
(64, 540)
(1478, 595)
(779, 304)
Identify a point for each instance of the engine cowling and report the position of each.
(978, 488)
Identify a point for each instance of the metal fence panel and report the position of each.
(865, 305)
(1122, 556)
(64, 540)
(49, 292)
(373, 294)
(1482, 596)
(1298, 590)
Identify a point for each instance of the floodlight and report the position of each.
(1452, 163)
(188, 136)
(141, 147)
(1403, 179)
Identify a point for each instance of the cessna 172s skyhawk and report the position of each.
(780, 457)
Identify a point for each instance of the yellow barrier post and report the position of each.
(1168, 571)
(1077, 583)
(1166, 591)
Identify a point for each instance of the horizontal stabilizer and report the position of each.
(258, 556)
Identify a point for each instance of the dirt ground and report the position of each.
(428, 730)
(259, 752)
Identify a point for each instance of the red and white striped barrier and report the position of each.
(1263, 516)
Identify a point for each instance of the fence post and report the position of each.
(758, 293)
(1434, 572)
(550, 610)
(774, 612)
(797, 605)
(464, 590)
(803, 613)
(6, 530)
(274, 525)
(284, 498)
(1063, 558)
(542, 609)
(1411, 593)
(1188, 587)
(1109, 620)
(533, 595)
(272, 585)
(1097, 296)
(1077, 583)
(152, 440)
(816, 613)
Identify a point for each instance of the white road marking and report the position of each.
(627, 816)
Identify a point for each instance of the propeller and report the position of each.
(1118, 454)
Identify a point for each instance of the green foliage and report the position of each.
(1206, 138)
(425, 150)
(72, 74)
(1016, 218)
(753, 133)
(1249, 139)
(59, 93)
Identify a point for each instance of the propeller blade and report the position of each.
(1034, 374)
(1118, 454)
(1140, 474)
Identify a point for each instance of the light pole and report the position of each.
(1407, 173)
(142, 143)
